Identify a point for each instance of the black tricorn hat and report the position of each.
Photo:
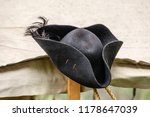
(85, 55)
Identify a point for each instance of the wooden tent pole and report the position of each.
(73, 90)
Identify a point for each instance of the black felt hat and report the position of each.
(85, 55)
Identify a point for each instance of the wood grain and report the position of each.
(73, 90)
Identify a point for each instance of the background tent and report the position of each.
(25, 70)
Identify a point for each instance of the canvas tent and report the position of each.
(26, 70)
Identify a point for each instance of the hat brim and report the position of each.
(109, 53)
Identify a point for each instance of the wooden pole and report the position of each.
(73, 90)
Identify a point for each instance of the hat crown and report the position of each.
(85, 41)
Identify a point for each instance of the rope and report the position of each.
(96, 95)
(110, 93)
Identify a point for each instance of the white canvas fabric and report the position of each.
(35, 77)
(128, 20)
(130, 75)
